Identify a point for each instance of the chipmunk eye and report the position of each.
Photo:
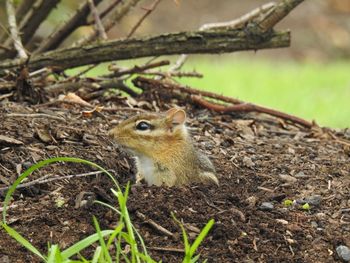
(142, 126)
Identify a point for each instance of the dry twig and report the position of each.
(14, 30)
(36, 115)
(145, 83)
(51, 179)
(249, 107)
(98, 24)
(57, 37)
(156, 226)
(136, 69)
(228, 24)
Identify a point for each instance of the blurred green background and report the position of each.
(310, 79)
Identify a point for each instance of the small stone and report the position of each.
(314, 224)
(251, 201)
(26, 165)
(314, 200)
(4, 259)
(309, 237)
(248, 162)
(301, 175)
(266, 206)
(282, 221)
(287, 178)
(291, 150)
(320, 216)
(344, 253)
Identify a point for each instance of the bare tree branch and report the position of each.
(98, 24)
(14, 31)
(77, 20)
(209, 41)
(229, 24)
(277, 13)
(31, 22)
(109, 22)
(147, 13)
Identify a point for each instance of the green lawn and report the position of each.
(318, 92)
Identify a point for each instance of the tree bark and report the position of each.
(208, 41)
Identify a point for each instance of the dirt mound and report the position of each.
(260, 162)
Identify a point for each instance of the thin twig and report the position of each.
(5, 48)
(35, 115)
(156, 226)
(7, 95)
(76, 20)
(14, 30)
(136, 69)
(147, 13)
(115, 17)
(53, 178)
(249, 107)
(168, 249)
(230, 24)
(98, 24)
(106, 11)
(145, 83)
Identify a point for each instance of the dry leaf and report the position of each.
(90, 113)
(72, 97)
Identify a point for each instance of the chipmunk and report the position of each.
(164, 150)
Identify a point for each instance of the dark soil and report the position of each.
(258, 159)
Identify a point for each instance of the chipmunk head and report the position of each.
(149, 134)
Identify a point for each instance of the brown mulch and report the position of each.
(258, 159)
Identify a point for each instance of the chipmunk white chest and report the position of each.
(145, 167)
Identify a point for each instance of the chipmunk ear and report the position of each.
(176, 116)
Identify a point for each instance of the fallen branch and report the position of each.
(209, 41)
(241, 106)
(249, 107)
(145, 83)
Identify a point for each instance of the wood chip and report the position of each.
(4, 140)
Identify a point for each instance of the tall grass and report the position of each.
(111, 242)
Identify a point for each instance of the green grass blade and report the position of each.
(97, 255)
(187, 258)
(24, 242)
(54, 255)
(195, 259)
(109, 206)
(105, 251)
(116, 232)
(201, 236)
(43, 163)
(77, 247)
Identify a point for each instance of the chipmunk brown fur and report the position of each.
(164, 150)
